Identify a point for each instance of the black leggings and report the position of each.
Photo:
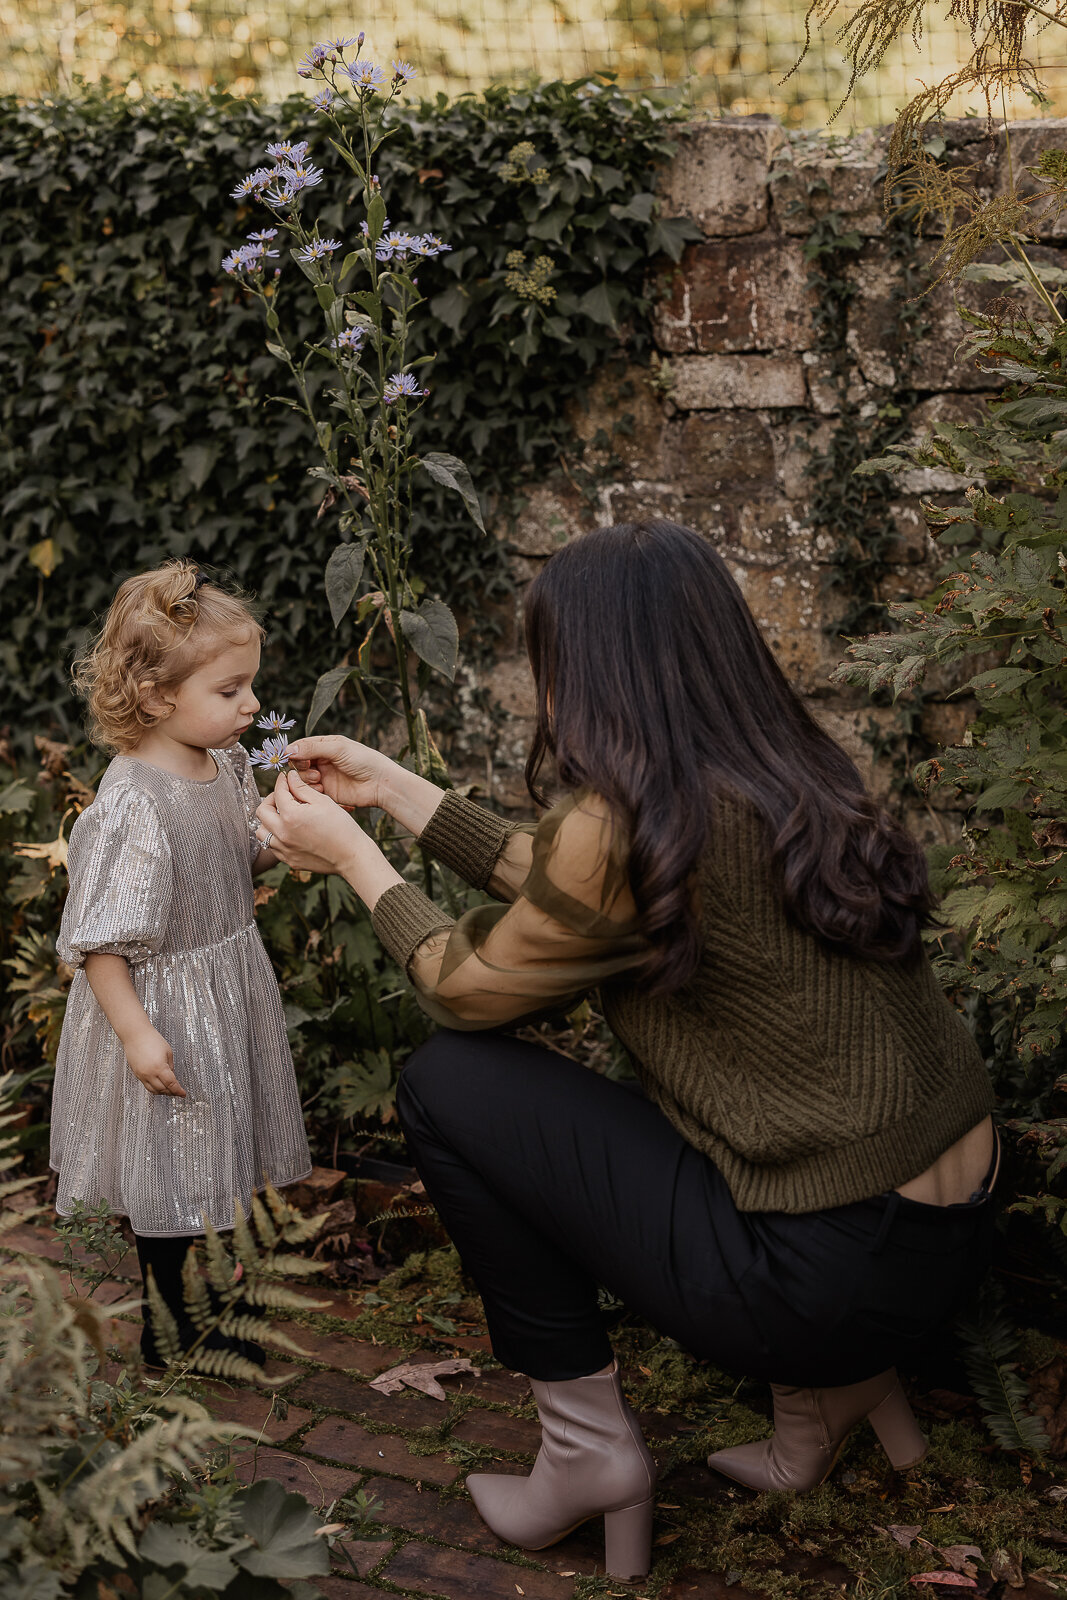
(552, 1181)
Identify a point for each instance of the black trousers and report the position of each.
(552, 1181)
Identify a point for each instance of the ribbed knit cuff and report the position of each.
(465, 837)
(404, 917)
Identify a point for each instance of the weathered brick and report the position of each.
(341, 1589)
(741, 294)
(338, 1392)
(341, 1439)
(553, 514)
(255, 1408)
(844, 179)
(499, 1431)
(712, 383)
(341, 1351)
(455, 1522)
(791, 608)
(320, 1485)
(429, 1569)
(362, 1554)
(716, 452)
(1027, 139)
(718, 177)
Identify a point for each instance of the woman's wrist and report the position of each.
(366, 868)
(408, 798)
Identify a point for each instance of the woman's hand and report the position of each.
(306, 829)
(349, 773)
(309, 831)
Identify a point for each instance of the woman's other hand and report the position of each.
(347, 772)
(311, 832)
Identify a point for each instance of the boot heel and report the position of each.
(628, 1541)
(898, 1432)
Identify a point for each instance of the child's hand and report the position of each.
(151, 1060)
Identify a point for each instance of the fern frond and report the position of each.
(162, 1321)
(990, 1345)
(244, 1245)
(261, 1218)
(276, 1297)
(219, 1265)
(195, 1296)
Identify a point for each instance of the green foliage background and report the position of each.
(133, 376)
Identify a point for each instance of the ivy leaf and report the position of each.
(17, 796)
(344, 571)
(284, 1531)
(453, 474)
(596, 303)
(432, 633)
(326, 691)
(197, 461)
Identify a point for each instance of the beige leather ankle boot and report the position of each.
(592, 1462)
(810, 1427)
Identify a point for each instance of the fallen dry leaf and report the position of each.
(422, 1375)
(1007, 1568)
(961, 1558)
(955, 1579)
(905, 1533)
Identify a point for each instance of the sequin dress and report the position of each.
(160, 872)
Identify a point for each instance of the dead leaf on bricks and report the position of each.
(1007, 1568)
(421, 1375)
(955, 1579)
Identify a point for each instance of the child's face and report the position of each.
(214, 705)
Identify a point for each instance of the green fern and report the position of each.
(990, 1346)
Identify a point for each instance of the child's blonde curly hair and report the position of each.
(159, 628)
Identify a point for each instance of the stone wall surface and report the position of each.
(728, 428)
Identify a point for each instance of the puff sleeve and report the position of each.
(571, 926)
(119, 865)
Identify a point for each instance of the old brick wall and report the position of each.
(726, 429)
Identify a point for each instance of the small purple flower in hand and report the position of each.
(272, 754)
(275, 722)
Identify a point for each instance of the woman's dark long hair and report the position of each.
(655, 689)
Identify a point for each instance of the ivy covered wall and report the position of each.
(134, 413)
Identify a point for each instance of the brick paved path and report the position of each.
(327, 1434)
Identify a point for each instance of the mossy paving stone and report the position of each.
(341, 1439)
(458, 1575)
(454, 1521)
(338, 1392)
(362, 1554)
(692, 1584)
(498, 1387)
(320, 1485)
(341, 1589)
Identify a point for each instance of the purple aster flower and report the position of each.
(365, 75)
(253, 183)
(263, 236)
(312, 62)
(364, 228)
(429, 245)
(341, 45)
(323, 100)
(286, 150)
(272, 753)
(317, 250)
(275, 722)
(395, 246)
(349, 340)
(401, 385)
(403, 72)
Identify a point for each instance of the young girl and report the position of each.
(175, 1092)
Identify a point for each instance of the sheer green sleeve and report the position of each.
(571, 926)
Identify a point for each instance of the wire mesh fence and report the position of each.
(726, 56)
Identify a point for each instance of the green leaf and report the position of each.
(283, 1530)
(17, 796)
(597, 304)
(1004, 680)
(1037, 415)
(344, 572)
(326, 691)
(168, 1546)
(453, 474)
(376, 217)
(325, 294)
(197, 461)
(432, 633)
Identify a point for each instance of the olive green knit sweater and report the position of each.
(809, 1078)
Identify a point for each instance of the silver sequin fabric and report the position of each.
(160, 873)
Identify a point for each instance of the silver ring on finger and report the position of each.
(267, 840)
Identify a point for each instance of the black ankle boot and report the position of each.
(166, 1257)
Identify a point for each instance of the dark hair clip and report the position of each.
(201, 579)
